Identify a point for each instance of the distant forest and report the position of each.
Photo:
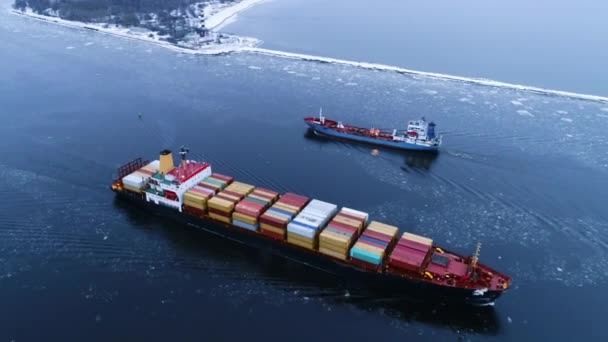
(122, 12)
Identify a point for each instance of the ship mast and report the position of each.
(183, 152)
(475, 257)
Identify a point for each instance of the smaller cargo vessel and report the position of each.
(418, 136)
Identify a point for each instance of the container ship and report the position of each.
(419, 134)
(345, 242)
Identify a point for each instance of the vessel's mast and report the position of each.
(475, 257)
(183, 152)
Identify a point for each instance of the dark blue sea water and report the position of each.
(525, 174)
(555, 44)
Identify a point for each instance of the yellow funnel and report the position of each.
(166, 161)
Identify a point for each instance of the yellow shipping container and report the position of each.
(329, 235)
(333, 253)
(220, 218)
(220, 204)
(308, 245)
(195, 205)
(297, 237)
(240, 188)
(267, 194)
(264, 226)
(421, 239)
(245, 218)
(383, 228)
(349, 222)
(289, 208)
(194, 199)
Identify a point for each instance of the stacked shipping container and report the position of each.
(371, 247)
(274, 221)
(410, 252)
(336, 239)
(216, 182)
(303, 230)
(195, 199)
(136, 180)
(248, 211)
(222, 205)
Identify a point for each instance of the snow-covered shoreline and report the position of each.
(219, 16)
(216, 20)
(479, 81)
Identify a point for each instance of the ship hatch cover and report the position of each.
(440, 260)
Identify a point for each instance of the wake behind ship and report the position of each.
(342, 241)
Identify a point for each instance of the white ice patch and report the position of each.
(601, 115)
(605, 109)
(524, 112)
(253, 67)
(562, 112)
(69, 47)
(351, 84)
(567, 119)
(517, 103)
(429, 92)
(88, 43)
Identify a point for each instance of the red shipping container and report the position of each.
(265, 193)
(297, 197)
(232, 193)
(273, 222)
(273, 234)
(347, 231)
(405, 253)
(414, 245)
(248, 212)
(378, 236)
(193, 211)
(405, 265)
(365, 265)
(342, 226)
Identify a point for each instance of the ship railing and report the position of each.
(131, 167)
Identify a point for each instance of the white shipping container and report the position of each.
(302, 231)
(310, 220)
(134, 180)
(321, 206)
(155, 165)
(322, 216)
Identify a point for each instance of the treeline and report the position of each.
(121, 12)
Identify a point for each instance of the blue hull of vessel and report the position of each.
(390, 144)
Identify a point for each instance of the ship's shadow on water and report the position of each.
(300, 281)
(409, 160)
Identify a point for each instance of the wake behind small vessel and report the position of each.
(419, 135)
(340, 241)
